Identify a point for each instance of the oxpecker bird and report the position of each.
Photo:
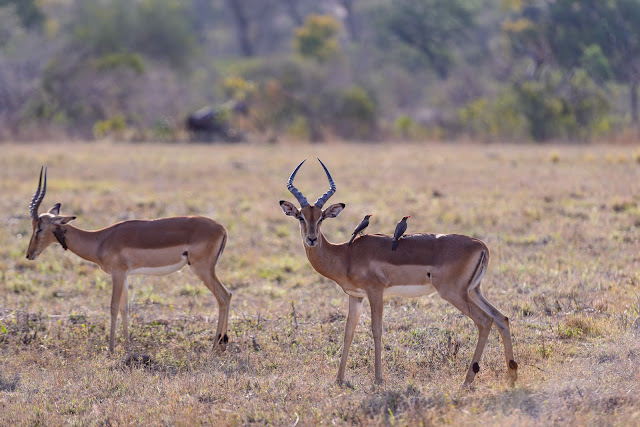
(360, 228)
(400, 229)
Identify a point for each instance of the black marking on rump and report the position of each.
(224, 243)
(429, 274)
(476, 367)
(475, 270)
(513, 365)
(186, 254)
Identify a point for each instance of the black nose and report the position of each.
(312, 241)
(27, 256)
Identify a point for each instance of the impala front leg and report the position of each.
(118, 278)
(124, 312)
(376, 302)
(355, 310)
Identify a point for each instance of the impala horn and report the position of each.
(301, 199)
(38, 197)
(332, 188)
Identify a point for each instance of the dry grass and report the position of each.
(563, 224)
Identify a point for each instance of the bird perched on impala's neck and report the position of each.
(360, 228)
(400, 229)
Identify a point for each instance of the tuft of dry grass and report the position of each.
(563, 229)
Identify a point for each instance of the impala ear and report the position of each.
(288, 208)
(333, 210)
(61, 220)
(55, 210)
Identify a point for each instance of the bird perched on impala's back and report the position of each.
(400, 229)
(360, 228)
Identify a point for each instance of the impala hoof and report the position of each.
(467, 386)
(513, 372)
(221, 343)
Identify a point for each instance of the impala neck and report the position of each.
(82, 242)
(328, 259)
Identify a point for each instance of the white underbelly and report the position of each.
(409, 291)
(161, 270)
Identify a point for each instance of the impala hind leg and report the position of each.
(118, 279)
(355, 310)
(483, 322)
(223, 296)
(502, 323)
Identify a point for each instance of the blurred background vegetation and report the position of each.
(267, 70)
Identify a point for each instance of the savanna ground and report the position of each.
(563, 224)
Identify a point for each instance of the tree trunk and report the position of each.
(293, 12)
(350, 18)
(242, 27)
(634, 103)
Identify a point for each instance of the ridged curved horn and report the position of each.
(301, 199)
(332, 188)
(38, 197)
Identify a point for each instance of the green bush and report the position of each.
(355, 114)
(113, 126)
(318, 38)
(548, 115)
(589, 104)
(158, 29)
(163, 130)
(560, 108)
(551, 108)
(499, 118)
(238, 88)
(403, 126)
(116, 60)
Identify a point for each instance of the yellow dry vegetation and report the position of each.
(562, 222)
